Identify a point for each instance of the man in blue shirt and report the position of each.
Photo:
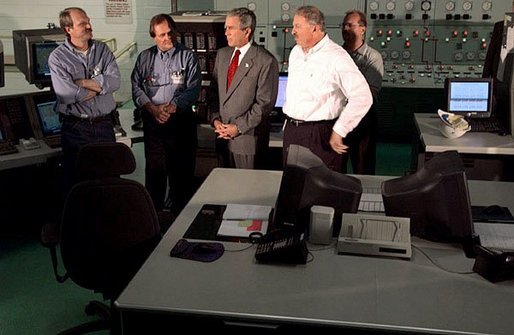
(84, 77)
(166, 83)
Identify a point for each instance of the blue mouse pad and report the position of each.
(197, 251)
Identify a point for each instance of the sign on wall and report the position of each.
(118, 11)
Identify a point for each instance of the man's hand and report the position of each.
(225, 131)
(161, 113)
(336, 142)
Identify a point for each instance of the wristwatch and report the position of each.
(238, 130)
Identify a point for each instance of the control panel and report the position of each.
(421, 42)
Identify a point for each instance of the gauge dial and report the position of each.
(395, 54)
(487, 5)
(450, 5)
(390, 5)
(285, 6)
(285, 17)
(373, 5)
(467, 5)
(252, 6)
(426, 5)
(409, 5)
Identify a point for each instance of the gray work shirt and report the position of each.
(67, 65)
(170, 77)
(369, 61)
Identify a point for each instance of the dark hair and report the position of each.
(65, 17)
(160, 18)
(246, 17)
(313, 15)
(362, 17)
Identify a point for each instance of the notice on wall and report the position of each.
(118, 11)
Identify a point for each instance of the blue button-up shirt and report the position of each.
(67, 65)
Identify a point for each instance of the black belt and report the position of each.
(298, 123)
(87, 119)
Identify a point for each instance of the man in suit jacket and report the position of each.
(241, 112)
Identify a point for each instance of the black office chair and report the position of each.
(109, 227)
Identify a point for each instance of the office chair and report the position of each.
(109, 226)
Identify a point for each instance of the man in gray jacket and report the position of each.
(247, 83)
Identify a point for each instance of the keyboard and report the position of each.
(489, 125)
(53, 141)
(7, 147)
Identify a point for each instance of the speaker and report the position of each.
(320, 227)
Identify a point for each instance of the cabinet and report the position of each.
(204, 34)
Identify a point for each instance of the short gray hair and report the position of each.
(247, 19)
(313, 15)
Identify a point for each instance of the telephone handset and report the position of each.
(282, 248)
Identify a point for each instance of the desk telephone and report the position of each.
(287, 248)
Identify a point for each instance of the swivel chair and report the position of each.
(109, 227)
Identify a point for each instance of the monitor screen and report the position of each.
(282, 84)
(47, 115)
(306, 182)
(41, 52)
(435, 198)
(471, 97)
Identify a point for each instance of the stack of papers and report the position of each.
(242, 220)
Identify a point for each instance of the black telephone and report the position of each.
(287, 248)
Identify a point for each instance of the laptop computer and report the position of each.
(48, 119)
(473, 99)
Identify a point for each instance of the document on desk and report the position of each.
(499, 236)
(242, 220)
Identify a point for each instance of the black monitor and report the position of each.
(435, 198)
(2, 65)
(306, 182)
(31, 50)
(47, 115)
(470, 97)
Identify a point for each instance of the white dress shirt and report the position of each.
(325, 84)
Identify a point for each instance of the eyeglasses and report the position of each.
(349, 25)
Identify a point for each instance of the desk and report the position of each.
(489, 155)
(42, 154)
(334, 291)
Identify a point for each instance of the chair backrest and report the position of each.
(109, 224)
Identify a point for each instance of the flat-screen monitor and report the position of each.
(2, 65)
(47, 115)
(470, 97)
(306, 182)
(435, 198)
(31, 50)
(282, 85)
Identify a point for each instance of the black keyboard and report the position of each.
(489, 125)
(7, 147)
(53, 141)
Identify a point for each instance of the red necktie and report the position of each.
(232, 68)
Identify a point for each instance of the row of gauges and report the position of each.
(427, 5)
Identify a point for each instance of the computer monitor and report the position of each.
(470, 97)
(282, 85)
(435, 198)
(306, 182)
(2, 65)
(47, 115)
(31, 50)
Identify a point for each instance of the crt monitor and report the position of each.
(435, 198)
(470, 97)
(31, 50)
(277, 114)
(306, 182)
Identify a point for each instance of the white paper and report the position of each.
(495, 235)
(246, 212)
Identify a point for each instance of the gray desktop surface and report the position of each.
(469, 143)
(332, 290)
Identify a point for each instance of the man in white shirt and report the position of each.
(326, 95)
